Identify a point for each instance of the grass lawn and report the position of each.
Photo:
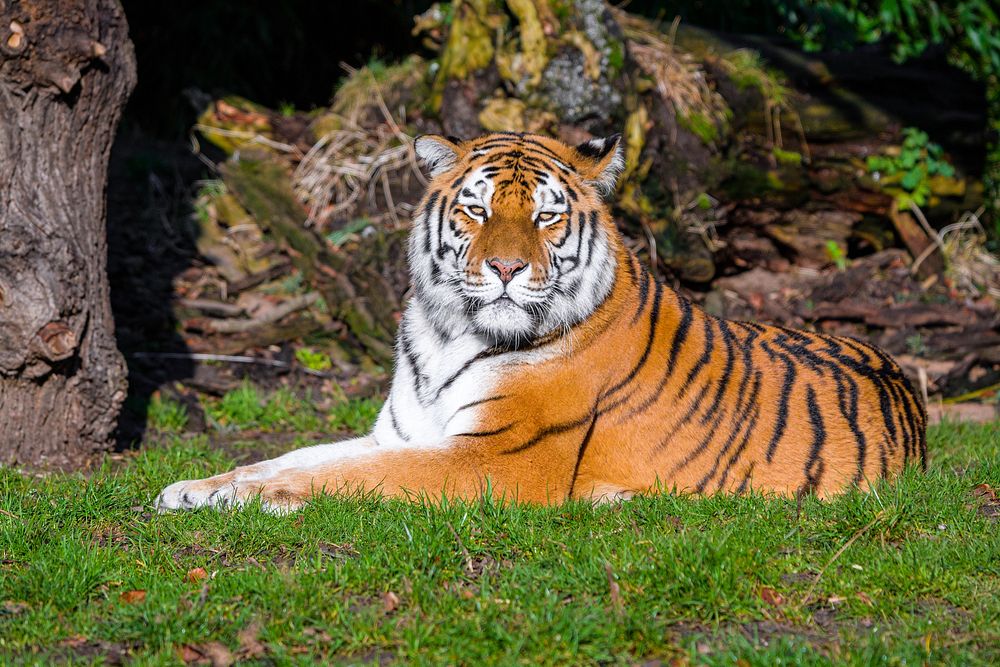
(909, 574)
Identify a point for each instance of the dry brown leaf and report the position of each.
(866, 599)
(218, 654)
(467, 594)
(189, 654)
(250, 644)
(196, 574)
(771, 596)
(74, 641)
(13, 608)
(986, 492)
(390, 602)
(132, 597)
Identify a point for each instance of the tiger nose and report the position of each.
(506, 268)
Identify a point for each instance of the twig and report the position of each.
(235, 359)
(614, 588)
(841, 551)
(272, 316)
(935, 237)
(461, 545)
(213, 307)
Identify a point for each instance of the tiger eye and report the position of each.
(478, 211)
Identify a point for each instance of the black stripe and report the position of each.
(485, 434)
(428, 211)
(466, 366)
(580, 452)
(395, 424)
(654, 316)
(679, 336)
(727, 371)
(781, 418)
(814, 465)
(706, 356)
(644, 280)
(549, 431)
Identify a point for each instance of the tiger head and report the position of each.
(513, 239)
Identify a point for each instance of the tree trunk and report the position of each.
(66, 70)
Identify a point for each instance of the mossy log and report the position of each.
(355, 294)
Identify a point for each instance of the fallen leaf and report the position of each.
(74, 641)
(467, 594)
(189, 654)
(320, 635)
(196, 574)
(771, 596)
(14, 608)
(218, 654)
(250, 644)
(390, 602)
(989, 504)
(864, 598)
(132, 597)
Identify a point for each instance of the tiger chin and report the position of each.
(539, 360)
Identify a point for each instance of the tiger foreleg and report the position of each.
(457, 468)
(261, 479)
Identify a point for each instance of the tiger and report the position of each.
(539, 360)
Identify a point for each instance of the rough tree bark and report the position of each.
(66, 69)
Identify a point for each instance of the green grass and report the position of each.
(702, 581)
(248, 407)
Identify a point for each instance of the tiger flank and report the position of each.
(540, 360)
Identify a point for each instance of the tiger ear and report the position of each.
(600, 161)
(439, 154)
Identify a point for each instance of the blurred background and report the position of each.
(826, 164)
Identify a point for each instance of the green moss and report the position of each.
(701, 126)
(616, 58)
(747, 70)
(789, 158)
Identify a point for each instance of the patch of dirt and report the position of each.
(81, 649)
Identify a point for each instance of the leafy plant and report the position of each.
(313, 359)
(837, 255)
(339, 237)
(165, 415)
(918, 160)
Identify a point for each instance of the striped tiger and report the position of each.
(539, 359)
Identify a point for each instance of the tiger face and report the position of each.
(512, 234)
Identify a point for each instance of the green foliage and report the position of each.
(789, 158)
(968, 29)
(339, 237)
(247, 407)
(165, 415)
(918, 160)
(701, 126)
(313, 359)
(837, 255)
(905, 575)
(357, 415)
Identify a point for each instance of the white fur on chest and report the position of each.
(437, 384)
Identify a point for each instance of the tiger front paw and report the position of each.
(225, 491)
